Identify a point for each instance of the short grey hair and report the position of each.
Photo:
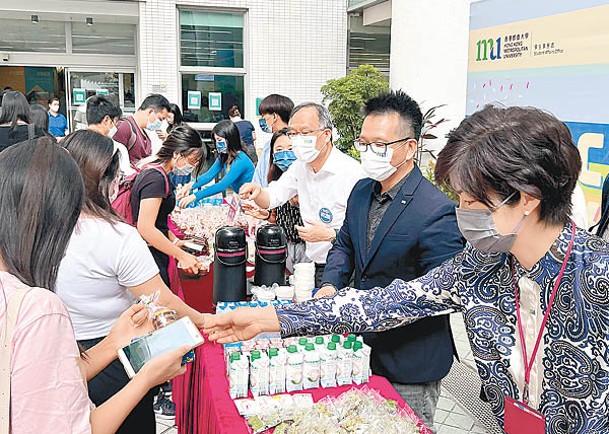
(325, 120)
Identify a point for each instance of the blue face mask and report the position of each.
(284, 159)
(264, 126)
(154, 126)
(221, 146)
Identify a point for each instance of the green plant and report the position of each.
(346, 96)
(428, 124)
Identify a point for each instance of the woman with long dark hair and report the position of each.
(106, 266)
(232, 158)
(41, 193)
(39, 116)
(153, 198)
(15, 123)
(174, 119)
(287, 215)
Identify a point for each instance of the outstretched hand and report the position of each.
(241, 324)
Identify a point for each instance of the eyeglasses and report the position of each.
(293, 134)
(378, 148)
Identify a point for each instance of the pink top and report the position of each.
(48, 393)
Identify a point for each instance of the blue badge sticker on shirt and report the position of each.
(325, 215)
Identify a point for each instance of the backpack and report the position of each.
(122, 202)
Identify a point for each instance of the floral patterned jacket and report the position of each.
(570, 377)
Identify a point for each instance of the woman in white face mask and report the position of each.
(106, 265)
(532, 287)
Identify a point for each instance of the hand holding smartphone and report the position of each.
(178, 334)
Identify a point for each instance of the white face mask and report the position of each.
(112, 131)
(304, 148)
(377, 167)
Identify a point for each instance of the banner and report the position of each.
(552, 55)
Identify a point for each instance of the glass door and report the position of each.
(119, 86)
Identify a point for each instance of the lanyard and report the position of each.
(528, 363)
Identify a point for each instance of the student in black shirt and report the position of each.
(15, 123)
(153, 198)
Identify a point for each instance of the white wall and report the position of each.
(293, 46)
(429, 56)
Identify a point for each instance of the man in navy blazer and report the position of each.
(397, 225)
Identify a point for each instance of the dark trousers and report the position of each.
(319, 274)
(108, 382)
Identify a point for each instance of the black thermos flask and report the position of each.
(230, 256)
(271, 255)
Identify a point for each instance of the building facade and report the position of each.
(204, 55)
(428, 51)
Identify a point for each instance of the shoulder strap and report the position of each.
(6, 340)
(165, 177)
(133, 136)
(31, 131)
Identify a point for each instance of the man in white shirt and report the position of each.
(102, 117)
(322, 178)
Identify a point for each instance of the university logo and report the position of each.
(488, 49)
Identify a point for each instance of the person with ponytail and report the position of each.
(106, 266)
(153, 198)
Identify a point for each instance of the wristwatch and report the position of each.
(335, 236)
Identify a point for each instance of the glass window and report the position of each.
(225, 90)
(369, 44)
(103, 38)
(23, 35)
(118, 85)
(211, 39)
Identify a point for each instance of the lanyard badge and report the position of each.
(519, 417)
(522, 419)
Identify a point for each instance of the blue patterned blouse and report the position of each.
(570, 376)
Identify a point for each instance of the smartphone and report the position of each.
(169, 338)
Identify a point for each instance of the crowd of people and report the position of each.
(393, 255)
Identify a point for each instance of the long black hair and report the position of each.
(39, 116)
(14, 108)
(178, 119)
(41, 194)
(274, 171)
(228, 131)
(99, 166)
(183, 140)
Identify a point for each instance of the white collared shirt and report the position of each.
(322, 195)
(532, 317)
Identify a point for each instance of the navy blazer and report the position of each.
(417, 233)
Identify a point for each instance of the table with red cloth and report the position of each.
(204, 406)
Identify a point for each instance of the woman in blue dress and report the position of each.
(232, 158)
(532, 287)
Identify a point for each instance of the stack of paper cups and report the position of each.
(304, 281)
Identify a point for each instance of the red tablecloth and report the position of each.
(203, 405)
